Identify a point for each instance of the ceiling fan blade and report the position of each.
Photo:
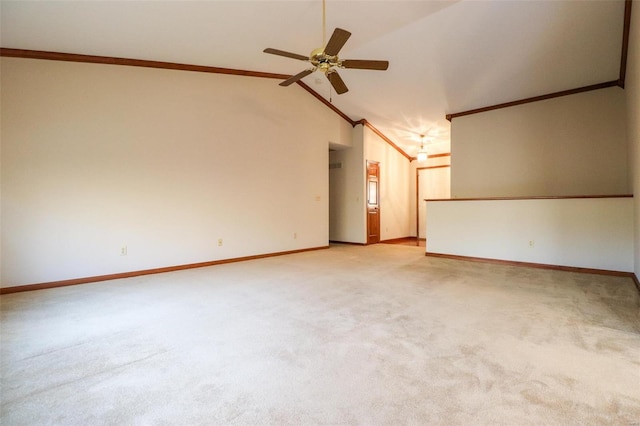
(337, 40)
(337, 83)
(287, 54)
(296, 77)
(365, 64)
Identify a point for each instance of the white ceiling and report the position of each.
(445, 57)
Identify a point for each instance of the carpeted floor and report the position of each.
(376, 335)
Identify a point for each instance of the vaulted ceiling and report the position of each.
(445, 56)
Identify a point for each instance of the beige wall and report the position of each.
(347, 218)
(632, 90)
(572, 145)
(347, 206)
(395, 176)
(434, 183)
(98, 157)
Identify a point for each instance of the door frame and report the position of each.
(377, 163)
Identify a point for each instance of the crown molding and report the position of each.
(366, 123)
(620, 82)
(445, 154)
(625, 42)
(326, 102)
(535, 99)
(108, 60)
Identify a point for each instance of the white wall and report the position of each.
(586, 233)
(632, 91)
(347, 217)
(434, 184)
(395, 178)
(572, 145)
(347, 206)
(96, 157)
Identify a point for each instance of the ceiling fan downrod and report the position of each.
(324, 26)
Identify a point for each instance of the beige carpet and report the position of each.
(377, 335)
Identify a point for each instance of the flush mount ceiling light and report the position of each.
(422, 153)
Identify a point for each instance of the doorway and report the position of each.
(373, 202)
(432, 182)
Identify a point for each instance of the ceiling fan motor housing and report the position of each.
(322, 61)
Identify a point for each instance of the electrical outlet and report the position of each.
(123, 251)
(532, 243)
(295, 235)
(219, 242)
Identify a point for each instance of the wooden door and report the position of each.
(373, 202)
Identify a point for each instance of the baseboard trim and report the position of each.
(87, 280)
(538, 265)
(347, 242)
(636, 281)
(402, 240)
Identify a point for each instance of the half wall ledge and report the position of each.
(544, 197)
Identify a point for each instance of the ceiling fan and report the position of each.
(326, 59)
